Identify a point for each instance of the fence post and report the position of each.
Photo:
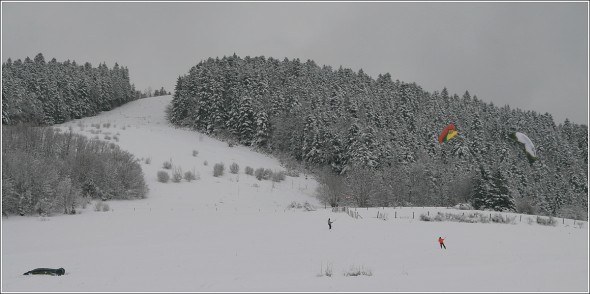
(521, 218)
(412, 215)
(428, 213)
(563, 221)
(395, 214)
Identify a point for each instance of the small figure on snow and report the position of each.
(441, 241)
(330, 223)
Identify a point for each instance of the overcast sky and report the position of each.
(532, 56)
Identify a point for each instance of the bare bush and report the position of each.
(234, 168)
(163, 176)
(167, 165)
(205, 163)
(189, 176)
(259, 173)
(101, 206)
(358, 271)
(177, 175)
(195, 153)
(148, 160)
(249, 171)
(331, 189)
(278, 176)
(550, 221)
(267, 174)
(218, 169)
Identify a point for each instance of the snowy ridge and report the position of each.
(235, 233)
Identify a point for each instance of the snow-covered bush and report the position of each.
(167, 165)
(234, 168)
(148, 160)
(195, 153)
(249, 171)
(218, 169)
(163, 176)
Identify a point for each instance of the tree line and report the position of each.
(353, 129)
(45, 171)
(46, 93)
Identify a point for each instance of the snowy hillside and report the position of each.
(235, 233)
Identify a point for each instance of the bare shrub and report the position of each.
(195, 153)
(278, 176)
(106, 125)
(205, 163)
(148, 160)
(163, 176)
(177, 175)
(325, 271)
(116, 138)
(526, 206)
(218, 169)
(259, 173)
(101, 206)
(358, 271)
(107, 137)
(167, 165)
(550, 221)
(249, 171)
(189, 176)
(234, 168)
(293, 173)
(267, 174)
(332, 189)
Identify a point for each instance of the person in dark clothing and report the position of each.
(330, 223)
(441, 241)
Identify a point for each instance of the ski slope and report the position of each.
(235, 233)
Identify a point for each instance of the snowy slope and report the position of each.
(235, 233)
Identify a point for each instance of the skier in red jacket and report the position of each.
(441, 241)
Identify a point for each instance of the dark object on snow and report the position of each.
(47, 271)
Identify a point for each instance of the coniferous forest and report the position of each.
(373, 142)
(45, 93)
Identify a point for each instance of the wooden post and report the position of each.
(428, 213)
(395, 214)
(412, 215)
(521, 218)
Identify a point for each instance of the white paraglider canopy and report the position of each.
(528, 145)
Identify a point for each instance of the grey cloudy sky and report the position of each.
(532, 56)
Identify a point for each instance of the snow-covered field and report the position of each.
(235, 233)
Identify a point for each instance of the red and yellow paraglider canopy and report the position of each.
(449, 132)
